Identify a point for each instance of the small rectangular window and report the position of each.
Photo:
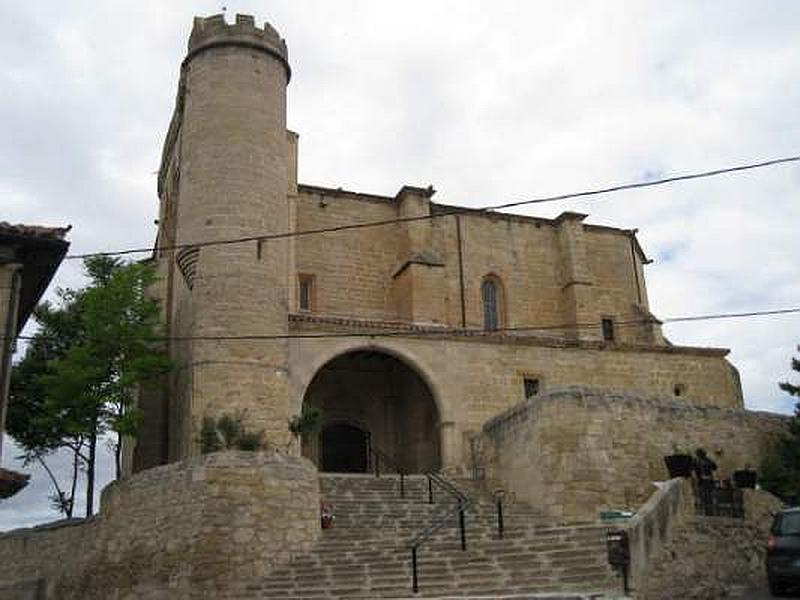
(305, 292)
(531, 387)
(608, 330)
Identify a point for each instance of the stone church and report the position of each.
(508, 366)
(408, 335)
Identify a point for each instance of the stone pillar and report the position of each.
(450, 450)
(233, 162)
(577, 280)
(418, 281)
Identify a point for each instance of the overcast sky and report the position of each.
(488, 101)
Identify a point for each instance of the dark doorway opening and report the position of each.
(372, 399)
(344, 449)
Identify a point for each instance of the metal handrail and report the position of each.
(376, 456)
(463, 502)
(439, 523)
(446, 485)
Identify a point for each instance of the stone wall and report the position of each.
(650, 529)
(473, 379)
(553, 272)
(676, 554)
(576, 451)
(195, 529)
(352, 270)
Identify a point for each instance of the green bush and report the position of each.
(227, 432)
(307, 423)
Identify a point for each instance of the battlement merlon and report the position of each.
(213, 32)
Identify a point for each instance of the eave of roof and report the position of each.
(40, 251)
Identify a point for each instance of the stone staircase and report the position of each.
(366, 554)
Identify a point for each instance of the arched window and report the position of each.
(491, 298)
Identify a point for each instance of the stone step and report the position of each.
(366, 553)
(561, 555)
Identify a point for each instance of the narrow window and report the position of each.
(679, 390)
(608, 330)
(531, 387)
(305, 291)
(491, 318)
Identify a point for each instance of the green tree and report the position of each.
(791, 389)
(79, 377)
(780, 470)
(30, 421)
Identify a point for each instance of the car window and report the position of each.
(790, 524)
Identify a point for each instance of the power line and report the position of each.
(741, 315)
(459, 210)
(463, 332)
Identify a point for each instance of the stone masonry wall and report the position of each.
(194, 529)
(473, 379)
(576, 451)
(676, 554)
(354, 270)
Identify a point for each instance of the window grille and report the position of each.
(305, 292)
(491, 320)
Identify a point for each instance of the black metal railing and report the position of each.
(500, 524)
(719, 502)
(463, 502)
(378, 459)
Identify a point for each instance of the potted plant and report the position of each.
(326, 514)
(745, 478)
(679, 463)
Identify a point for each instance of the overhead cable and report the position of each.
(454, 210)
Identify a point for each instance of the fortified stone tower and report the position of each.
(224, 176)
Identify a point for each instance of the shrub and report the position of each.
(308, 422)
(227, 432)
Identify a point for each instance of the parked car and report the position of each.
(783, 551)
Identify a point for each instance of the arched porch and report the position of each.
(368, 399)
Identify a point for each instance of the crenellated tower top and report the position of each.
(214, 31)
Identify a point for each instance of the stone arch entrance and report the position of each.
(371, 398)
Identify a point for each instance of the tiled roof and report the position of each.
(11, 482)
(34, 231)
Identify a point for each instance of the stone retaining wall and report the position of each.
(193, 529)
(575, 451)
(675, 554)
